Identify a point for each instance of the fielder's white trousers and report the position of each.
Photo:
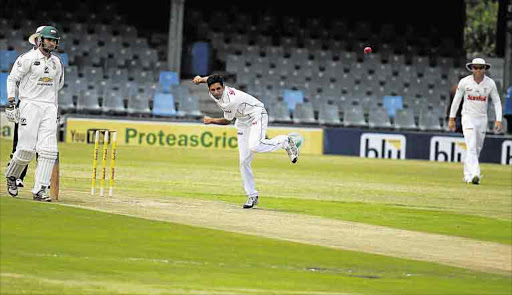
(252, 140)
(474, 129)
(37, 131)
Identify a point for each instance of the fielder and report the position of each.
(251, 124)
(37, 76)
(476, 90)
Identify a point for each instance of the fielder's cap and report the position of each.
(477, 61)
(44, 31)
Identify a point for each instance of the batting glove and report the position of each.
(12, 112)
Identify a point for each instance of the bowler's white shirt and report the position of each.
(476, 98)
(240, 105)
(36, 77)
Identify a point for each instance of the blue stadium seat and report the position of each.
(508, 102)
(292, 97)
(163, 105)
(392, 103)
(3, 88)
(168, 78)
(65, 59)
(4, 60)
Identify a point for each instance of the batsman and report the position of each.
(36, 78)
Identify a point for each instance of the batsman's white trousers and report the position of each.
(38, 131)
(252, 140)
(474, 129)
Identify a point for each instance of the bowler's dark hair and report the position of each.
(215, 79)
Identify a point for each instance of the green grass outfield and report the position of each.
(55, 249)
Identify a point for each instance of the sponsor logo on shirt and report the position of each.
(36, 63)
(45, 81)
(480, 98)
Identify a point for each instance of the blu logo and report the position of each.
(506, 152)
(385, 146)
(447, 149)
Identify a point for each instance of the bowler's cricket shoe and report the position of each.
(292, 150)
(42, 197)
(19, 182)
(251, 202)
(12, 188)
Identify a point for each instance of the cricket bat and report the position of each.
(54, 184)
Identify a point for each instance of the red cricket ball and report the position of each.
(367, 50)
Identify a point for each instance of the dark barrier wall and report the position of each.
(444, 147)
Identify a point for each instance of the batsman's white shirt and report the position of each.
(476, 98)
(36, 77)
(240, 105)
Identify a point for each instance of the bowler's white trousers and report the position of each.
(252, 140)
(474, 129)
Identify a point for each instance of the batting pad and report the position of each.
(19, 161)
(44, 170)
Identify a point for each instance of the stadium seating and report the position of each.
(163, 105)
(88, 102)
(3, 89)
(168, 78)
(329, 114)
(428, 121)
(279, 112)
(274, 58)
(66, 103)
(392, 104)
(354, 116)
(113, 102)
(138, 105)
(292, 98)
(303, 113)
(404, 120)
(7, 58)
(189, 107)
(378, 118)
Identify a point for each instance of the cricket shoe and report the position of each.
(251, 202)
(20, 183)
(42, 196)
(12, 188)
(292, 150)
(475, 179)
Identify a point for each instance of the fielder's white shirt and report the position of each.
(476, 98)
(240, 105)
(35, 77)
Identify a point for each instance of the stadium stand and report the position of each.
(278, 59)
(404, 120)
(163, 105)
